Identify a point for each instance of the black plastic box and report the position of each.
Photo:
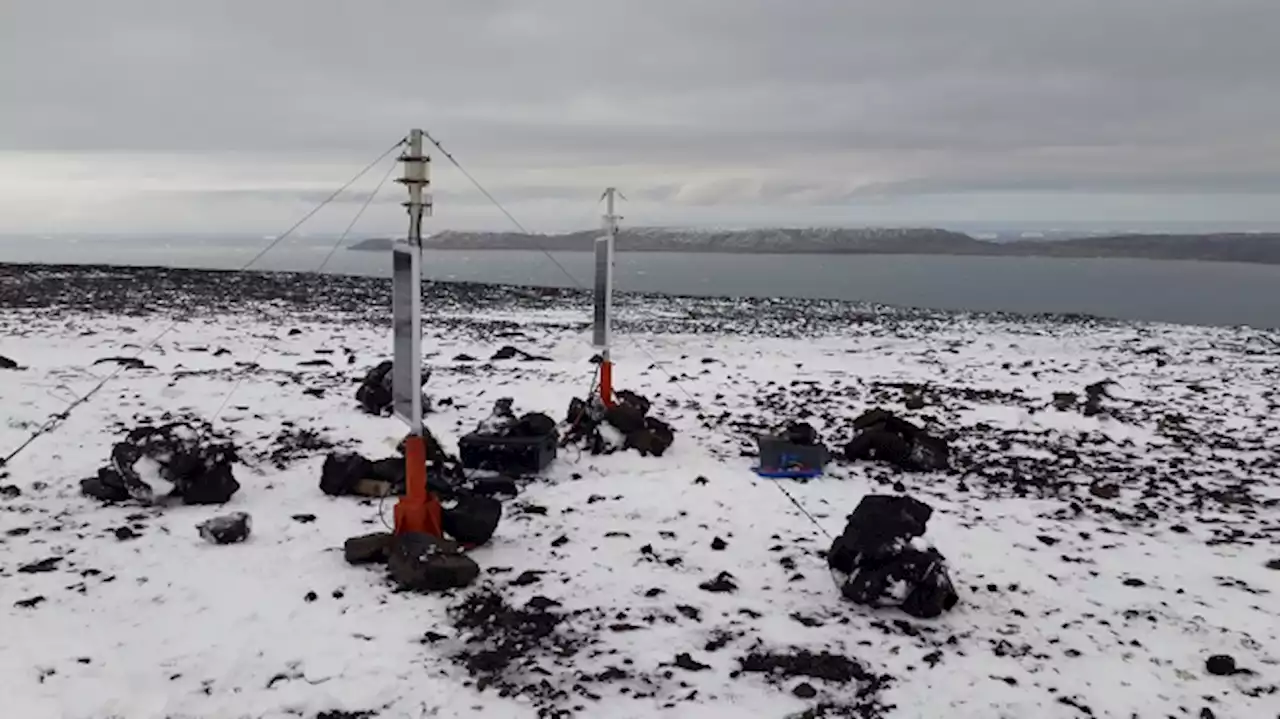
(508, 455)
(778, 453)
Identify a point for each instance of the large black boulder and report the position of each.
(881, 559)
(423, 563)
(197, 469)
(375, 391)
(883, 436)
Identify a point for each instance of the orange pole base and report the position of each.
(606, 383)
(418, 510)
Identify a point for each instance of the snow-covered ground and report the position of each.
(1075, 601)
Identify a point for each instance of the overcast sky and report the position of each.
(236, 115)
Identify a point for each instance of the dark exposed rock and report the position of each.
(471, 519)
(375, 391)
(886, 437)
(804, 690)
(1220, 665)
(880, 561)
(227, 529)
(718, 544)
(6, 363)
(804, 663)
(421, 562)
(724, 583)
(197, 468)
(688, 663)
(29, 603)
(125, 362)
(1104, 490)
(508, 352)
(629, 416)
(10, 491)
(125, 533)
(369, 548)
(47, 564)
(527, 577)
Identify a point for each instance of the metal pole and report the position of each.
(605, 248)
(418, 510)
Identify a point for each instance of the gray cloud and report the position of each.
(688, 102)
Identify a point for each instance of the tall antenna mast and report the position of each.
(602, 329)
(418, 510)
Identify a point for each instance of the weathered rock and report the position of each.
(625, 418)
(47, 564)
(214, 486)
(195, 469)
(804, 690)
(375, 391)
(420, 562)
(534, 424)
(724, 583)
(1104, 490)
(341, 471)
(369, 548)
(227, 529)
(125, 362)
(1220, 665)
(688, 663)
(472, 519)
(102, 490)
(1065, 401)
(881, 559)
(884, 436)
(508, 352)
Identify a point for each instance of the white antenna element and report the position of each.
(406, 291)
(603, 320)
(605, 248)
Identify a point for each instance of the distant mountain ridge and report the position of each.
(1228, 247)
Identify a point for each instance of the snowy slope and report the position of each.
(1072, 604)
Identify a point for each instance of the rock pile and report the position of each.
(164, 464)
(374, 393)
(882, 435)
(625, 425)
(883, 560)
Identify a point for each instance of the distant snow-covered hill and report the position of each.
(1253, 247)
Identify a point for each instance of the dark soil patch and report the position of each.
(518, 652)
(292, 444)
(781, 668)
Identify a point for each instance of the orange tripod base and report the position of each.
(418, 511)
(606, 383)
(418, 517)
